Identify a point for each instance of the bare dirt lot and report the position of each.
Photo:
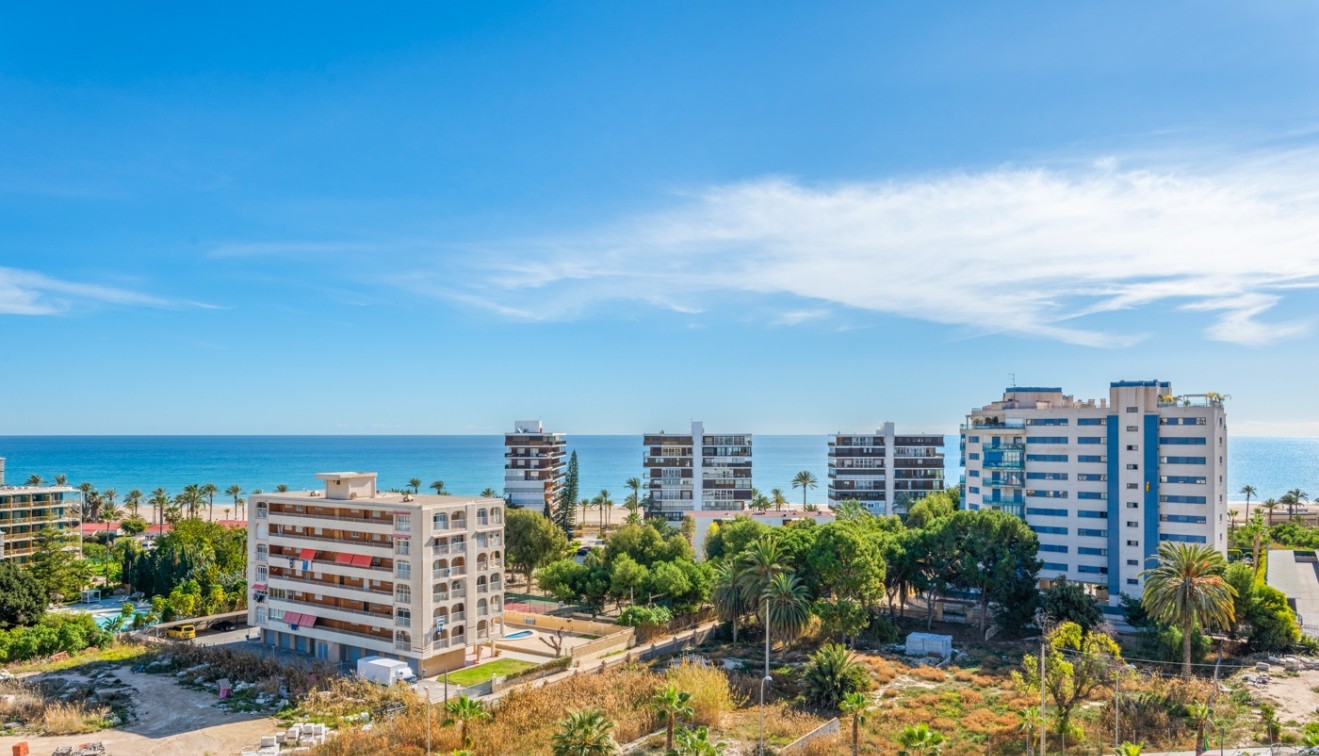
(170, 719)
(1295, 697)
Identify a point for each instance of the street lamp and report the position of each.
(763, 682)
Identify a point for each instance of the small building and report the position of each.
(929, 644)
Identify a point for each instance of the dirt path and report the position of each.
(171, 721)
(1295, 697)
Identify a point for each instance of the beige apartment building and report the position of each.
(350, 571)
(25, 511)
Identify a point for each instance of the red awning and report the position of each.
(293, 618)
(259, 586)
(307, 554)
(361, 561)
(307, 620)
(343, 558)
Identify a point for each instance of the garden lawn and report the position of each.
(482, 672)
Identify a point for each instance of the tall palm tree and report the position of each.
(584, 733)
(416, 484)
(489, 493)
(236, 491)
(90, 501)
(438, 486)
(1186, 588)
(919, 740)
(670, 704)
(605, 504)
(61, 479)
(210, 490)
(731, 602)
(634, 499)
(282, 488)
(33, 480)
(789, 605)
(1248, 491)
(759, 501)
(761, 561)
(1298, 497)
(1269, 505)
(855, 705)
(464, 710)
(193, 496)
(1200, 714)
(804, 480)
(133, 500)
(780, 501)
(107, 497)
(159, 500)
(1288, 501)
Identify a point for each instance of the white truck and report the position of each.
(378, 669)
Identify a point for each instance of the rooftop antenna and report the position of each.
(1014, 379)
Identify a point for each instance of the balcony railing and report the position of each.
(342, 518)
(323, 584)
(402, 621)
(332, 607)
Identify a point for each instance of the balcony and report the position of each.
(440, 597)
(386, 521)
(333, 586)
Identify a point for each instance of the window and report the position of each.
(1181, 538)
(1182, 499)
(401, 546)
(1092, 514)
(1090, 421)
(403, 570)
(261, 615)
(974, 455)
(1053, 547)
(262, 550)
(1132, 505)
(441, 521)
(403, 523)
(1046, 439)
(1132, 581)
(1047, 421)
(1096, 477)
(1133, 543)
(1037, 512)
(402, 617)
(1133, 447)
(1046, 476)
(1091, 551)
(1092, 532)
(973, 489)
(1092, 458)
(403, 594)
(1132, 524)
(1182, 460)
(1089, 569)
(1182, 440)
(1042, 494)
(1133, 466)
(1055, 566)
(1133, 428)
(974, 473)
(1046, 457)
(1133, 486)
(1133, 409)
(1193, 519)
(973, 439)
(1192, 479)
(262, 573)
(1090, 440)
(1133, 562)
(1091, 495)
(1048, 531)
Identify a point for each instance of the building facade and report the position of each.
(1104, 482)
(349, 572)
(25, 511)
(533, 464)
(884, 471)
(697, 472)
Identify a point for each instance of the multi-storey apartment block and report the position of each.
(697, 472)
(533, 464)
(1102, 483)
(350, 572)
(25, 511)
(883, 470)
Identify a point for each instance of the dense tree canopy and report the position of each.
(22, 598)
(532, 541)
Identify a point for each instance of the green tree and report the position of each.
(778, 499)
(1269, 505)
(633, 501)
(57, 566)
(1128, 749)
(133, 502)
(584, 733)
(606, 507)
(22, 597)
(565, 511)
(840, 618)
(463, 711)
(1067, 601)
(236, 493)
(996, 557)
(210, 490)
(489, 493)
(855, 705)
(670, 704)
(685, 584)
(1075, 663)
(531, 541)
(832, 675)
(438, 487)
(731, 603)
(919, 740)
(626, 577)
(788, 603)
(1186, 588)
(929, 508)
(1248, 491)
(805, 480)
(761, 561)
(732, 537)
(847, 562)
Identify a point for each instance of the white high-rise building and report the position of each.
(697, 472)
(883, 470)
(533, 464)
(1102, 482)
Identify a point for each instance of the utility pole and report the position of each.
(763, 680)
(1043, 640)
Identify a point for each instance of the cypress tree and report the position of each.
(566, 507)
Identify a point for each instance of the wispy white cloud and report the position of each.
(1028, 251)
(26, 292)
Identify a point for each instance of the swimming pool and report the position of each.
(518, 635)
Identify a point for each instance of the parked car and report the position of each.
(182, 632)
(224, 626)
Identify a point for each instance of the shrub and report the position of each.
(831, 675)
(711, 694)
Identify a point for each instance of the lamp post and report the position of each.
(763, 681)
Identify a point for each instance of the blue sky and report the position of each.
(776, 217)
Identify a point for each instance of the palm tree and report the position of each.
(33, 480)
(1029, 727)
(1186, 588)
(1298, 497)
(159, 500)
(695, 741)
(91, 502)
(789, 606)
(415, 483)
(191, 498)
(670, 704)
(210, 490)
(634, 499)
(584, 733)
(1199, 713)
(464, 710)
(281, 488)
(921, 741)
(804, 480)
(759, 501)
(236, 491)
(1248, 491)
(780, 501)
(761, 561)
(855, 705)
(133, 500)
(1288, 501)
(489, 493)
(605, 504)
(1128, 749)
(731, 602)
(832, 675)
(61, 479)
(438, 485)
(1270, 505)
(108, 496)
(110, 513)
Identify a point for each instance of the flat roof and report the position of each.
(383, 498)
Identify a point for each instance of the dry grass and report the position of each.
(27, 706)
(929, 674)
(712, 695)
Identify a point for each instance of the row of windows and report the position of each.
(1182, 460)
(1053, 547)
(1092, 514)
(1090, 421)
(1181, 538)
(1182, 499)
(1044, 530)
(1092, 532)
(1090, 440)
(1183, 440)
(1091, 551)
(1183, 479)
(1092, 476)
(1055, 566)
(1092, 458)
(1042, 494)
(1038, 512)
(1047, 421)
(1183, 421)
(1046, 439)
(1091, 495)
(1046, 457)
(1193, 519)
(1046, 476)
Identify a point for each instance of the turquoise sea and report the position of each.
(468, 464)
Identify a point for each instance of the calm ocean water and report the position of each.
(468, 464)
